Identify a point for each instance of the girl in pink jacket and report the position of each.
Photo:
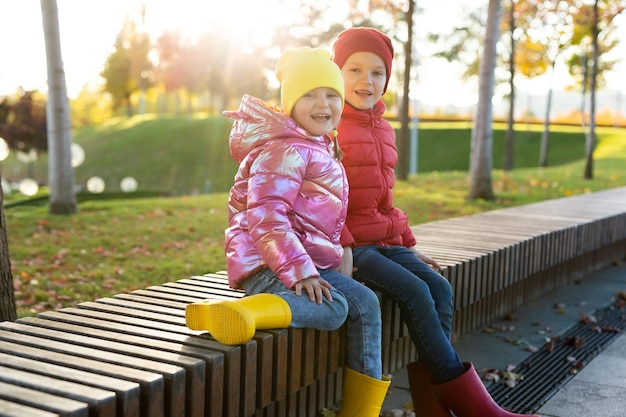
(384, 253)
(287, 211)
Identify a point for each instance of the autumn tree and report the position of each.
(404, 147)
(8, 311)
(482, 134)
(23, 123)
(60, 171)
(593, 37)
(170, 70)
(548, 35)
(517, 53)
(125, 66)
(516, 19)
(509, 139)
(90, 107)
(399, 27)
(194, 63)
(7, 293)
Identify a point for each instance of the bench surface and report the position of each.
(132, 355)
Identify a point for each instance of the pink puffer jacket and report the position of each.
(288, 204)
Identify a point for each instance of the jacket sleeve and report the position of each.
(408, 238)
(346, 237)
(275, 180)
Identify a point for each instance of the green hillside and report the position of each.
(184, 156)
(116, 244)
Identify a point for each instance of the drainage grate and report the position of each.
(545, 372)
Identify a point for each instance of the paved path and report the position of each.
(598, 390)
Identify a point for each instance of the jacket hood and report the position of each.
(257, 122)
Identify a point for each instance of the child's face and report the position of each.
(364, 77)
(318, 111)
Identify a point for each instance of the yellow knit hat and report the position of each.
(302, 69)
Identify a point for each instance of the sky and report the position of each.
(89, 29)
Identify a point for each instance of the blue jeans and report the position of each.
(425, 299)
(351, 300)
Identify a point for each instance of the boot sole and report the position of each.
(226, 321)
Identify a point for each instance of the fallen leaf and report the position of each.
(611, 329)
(588, 319)
(511, 317)
(575, 341)
(575, 368)
(551, 344)
(492, 376)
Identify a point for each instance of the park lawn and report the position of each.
(118, 245)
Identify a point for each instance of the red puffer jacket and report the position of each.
(370, 156)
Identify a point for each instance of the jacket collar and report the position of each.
(364, 116)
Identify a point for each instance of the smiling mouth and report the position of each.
(321, 116)
(363, 92)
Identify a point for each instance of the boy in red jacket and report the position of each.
(384, 254)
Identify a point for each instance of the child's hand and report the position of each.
(316, 288)
(428, 260)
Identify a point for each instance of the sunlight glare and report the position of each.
(6, 186)
(128, 184)
(95, 185)
(245, 21)
(27, 157)
(4, 149)
(78, 155)
(28, 187)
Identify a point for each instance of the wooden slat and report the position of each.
(194, 369)
(13, 409)
(232, 355)
(99, 403)
(173, 376)
(151, 384)
(145, 347)
(127, 393)
(42, 400)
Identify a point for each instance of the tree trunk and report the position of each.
(402, 170)
(482, 138)
(7, 293)
(590, 142)
(543, 147)
(509, 152)
(60, 171)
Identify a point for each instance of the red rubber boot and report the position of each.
(425, 400)
(466, 396)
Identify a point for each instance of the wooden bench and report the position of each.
(132, 355)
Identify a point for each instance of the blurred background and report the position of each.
(142, 62)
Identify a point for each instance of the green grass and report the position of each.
(117, 245)
(111, 246)
(184, 156)
(178, 156)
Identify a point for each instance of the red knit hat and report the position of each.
(363, 39)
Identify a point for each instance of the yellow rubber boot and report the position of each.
(363, 396)
(234, 322)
